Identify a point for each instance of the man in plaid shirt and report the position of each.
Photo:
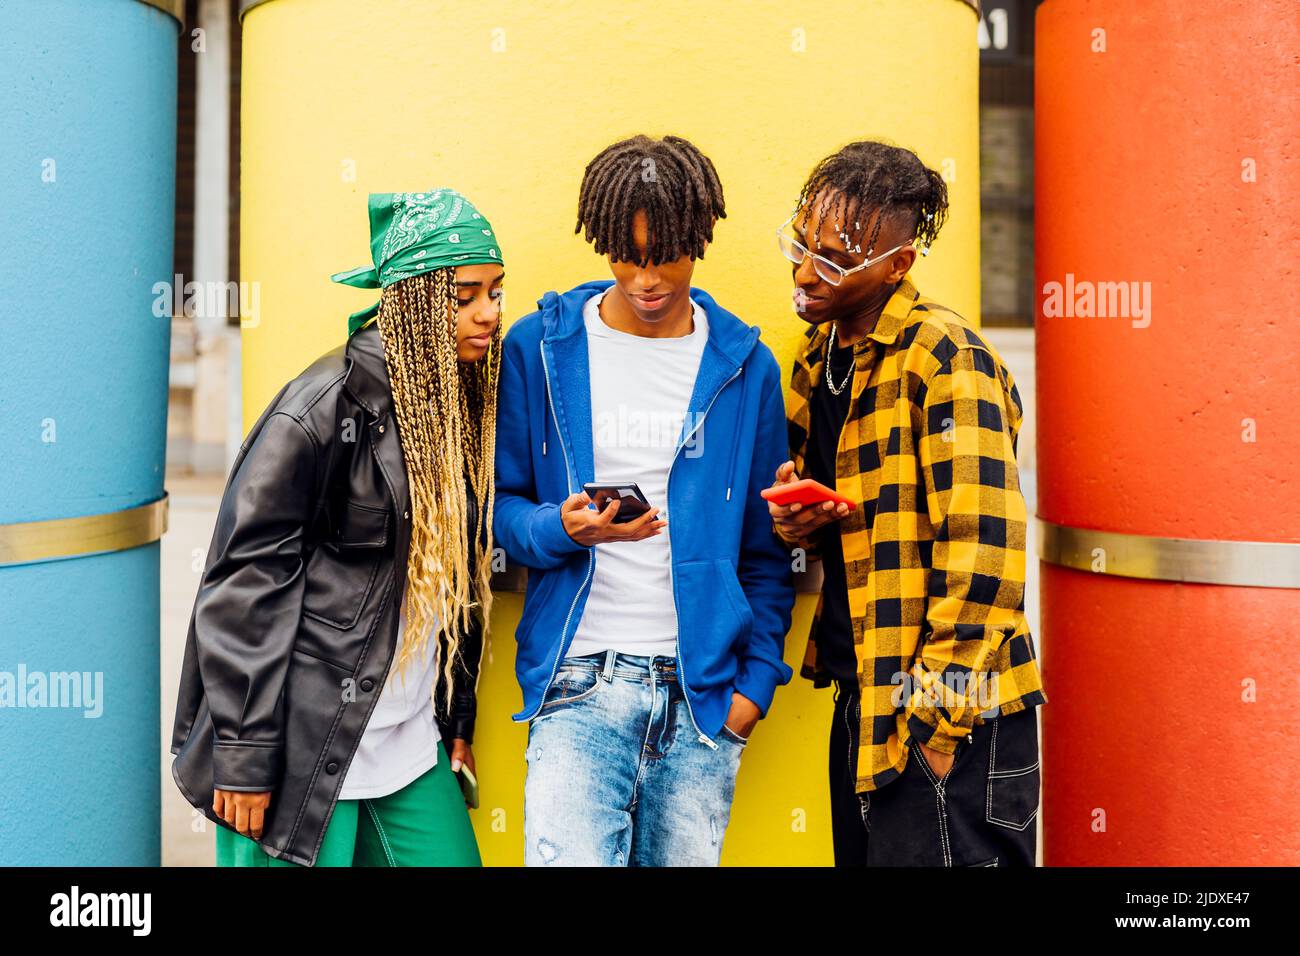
(899, 406)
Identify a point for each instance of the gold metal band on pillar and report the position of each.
(1248, 564)
(174, 8)
(25, 542)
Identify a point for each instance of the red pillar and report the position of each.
(1166, 153)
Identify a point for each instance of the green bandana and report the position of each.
(411, 233)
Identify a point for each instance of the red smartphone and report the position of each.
(805, 491)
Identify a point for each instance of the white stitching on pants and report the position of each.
(848, 765)
(383, 837)
(940, 801)
(1016, 773)
(988, 806)
(941, 805)
(864, 800)
(993, 762)
(994, 772)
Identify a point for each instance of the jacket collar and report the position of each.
(367, 375)
(728, 335)
(564, 346)
(367, 381)
(893, 319)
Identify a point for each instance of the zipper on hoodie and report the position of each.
(681, 664)
(591, 552)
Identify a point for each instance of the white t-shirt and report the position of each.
(640, 392)
(400, 742)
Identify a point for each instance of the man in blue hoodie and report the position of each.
(647, 650)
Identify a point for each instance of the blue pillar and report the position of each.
(87, 183)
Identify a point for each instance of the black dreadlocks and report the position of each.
(670, 179)
(869, 175)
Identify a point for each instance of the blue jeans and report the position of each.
(618, 775)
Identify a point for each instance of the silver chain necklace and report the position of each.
(830, 346)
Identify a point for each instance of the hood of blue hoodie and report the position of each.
(562, 316)
(729, 344)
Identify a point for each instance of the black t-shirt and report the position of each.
(827, 413)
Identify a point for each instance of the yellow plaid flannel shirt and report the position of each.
(934, 555)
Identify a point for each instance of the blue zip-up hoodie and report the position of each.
(732, 580)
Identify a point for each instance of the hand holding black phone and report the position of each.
(632, 503)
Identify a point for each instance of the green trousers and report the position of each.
(423, 824)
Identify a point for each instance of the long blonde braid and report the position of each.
(446, 421)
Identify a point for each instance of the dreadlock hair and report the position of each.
(446, 421)
(869, 175)
(670, 179)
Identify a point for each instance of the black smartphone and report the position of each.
(632, 504)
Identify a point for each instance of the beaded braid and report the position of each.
(446, 420)
(867, 176)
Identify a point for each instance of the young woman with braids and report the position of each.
(328, 698)
(645, 662)
(899, 404)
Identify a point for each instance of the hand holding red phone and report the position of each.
(796, 521)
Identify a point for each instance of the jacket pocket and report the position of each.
(1014, 771)
(342, 570)
(541, 584)
(715, 621)
(726, 733)
(736, 595)
(360, 526)
(573, 683)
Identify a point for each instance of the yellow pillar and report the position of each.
(508, 102)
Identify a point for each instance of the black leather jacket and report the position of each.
(295, 623)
